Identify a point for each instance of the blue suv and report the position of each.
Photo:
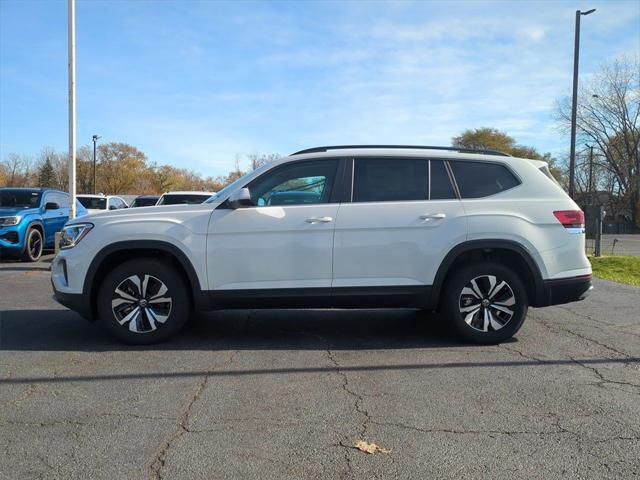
(30, 218)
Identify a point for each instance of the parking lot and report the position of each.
(287, 394)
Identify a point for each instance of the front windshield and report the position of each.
(19, 198)
(93, 203)
(229, 188)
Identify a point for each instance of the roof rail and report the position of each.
(485, 151)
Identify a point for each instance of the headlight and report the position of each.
(72, 234)
(7, 221)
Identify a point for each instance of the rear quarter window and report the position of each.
(482, 179)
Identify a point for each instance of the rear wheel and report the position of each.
(486, 302)
(32, 246)
(143, 301)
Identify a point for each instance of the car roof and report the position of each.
(96, 195)
(147, 196)
(34, 189)
(396, 148)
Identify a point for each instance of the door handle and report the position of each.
(435, 216)
(319, 220)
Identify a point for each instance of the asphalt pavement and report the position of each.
(288, 394)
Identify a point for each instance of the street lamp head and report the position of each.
(96, 137)
(588, 12)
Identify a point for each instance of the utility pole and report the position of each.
(72, 109)
(590, 198)
(574, 102)
(95, 139)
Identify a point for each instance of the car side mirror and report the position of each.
(240, 198)
(51, 206)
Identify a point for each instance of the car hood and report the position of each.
(11, 212)
(148, 212)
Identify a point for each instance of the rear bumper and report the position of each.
(565, 290)
(74, 301)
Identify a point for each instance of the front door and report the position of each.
(402, 218)
(54, 219)
(285, 240)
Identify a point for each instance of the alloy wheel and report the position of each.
(35, 245)
(141, 304)
(487, 303)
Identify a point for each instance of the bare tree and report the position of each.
(256, 160)
(608, 117)
(17, 170)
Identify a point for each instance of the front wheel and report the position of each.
(486, 302)
(143, 301)
(32, 246)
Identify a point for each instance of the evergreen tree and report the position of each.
(46, 174)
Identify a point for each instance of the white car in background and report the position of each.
(187, 197)
(101, 203)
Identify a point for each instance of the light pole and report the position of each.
(72, 108)
(574, 104)
(590, 197)
(95, 139)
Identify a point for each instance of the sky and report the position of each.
(197, 83)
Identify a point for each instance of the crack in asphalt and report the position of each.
(357, 403)
(602, 379)
(358, 400)
(579, 335)
(598, 321)
(28, 393)
(160, 458)
(470, 432)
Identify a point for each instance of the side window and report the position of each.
(390, 179)
(300, 183)
(62, 200)
(50, 197)
(440, 183)
(480, 179)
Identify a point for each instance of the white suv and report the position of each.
(477, 234)
(97, 203)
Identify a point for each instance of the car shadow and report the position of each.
(62, 330)
(51, 330)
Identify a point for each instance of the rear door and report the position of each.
(401, 217)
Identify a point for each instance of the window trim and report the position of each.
(452, 179)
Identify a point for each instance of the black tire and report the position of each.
(156, 320)
(33, 245)
(496, 325)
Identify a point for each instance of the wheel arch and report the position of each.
(507, 252)
(112, 255)
(35, 224)
(38, 225)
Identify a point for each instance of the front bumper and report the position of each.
(565, 290)
(77, 302)
(11, 239)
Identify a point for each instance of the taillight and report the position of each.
(570, 218)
